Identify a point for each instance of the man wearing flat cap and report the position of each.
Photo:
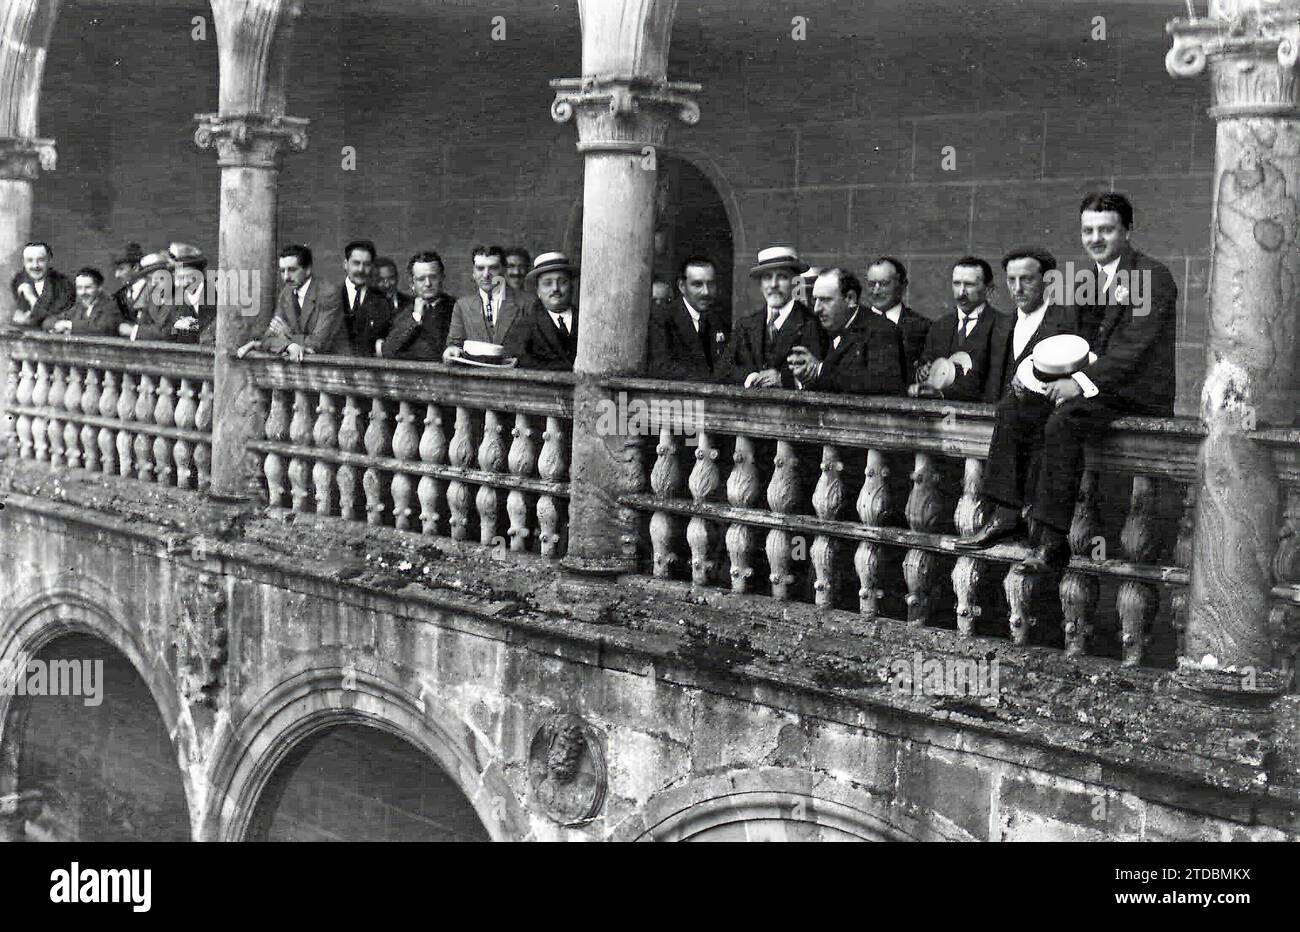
(1057, 403)
(548, 337)
(764, 338)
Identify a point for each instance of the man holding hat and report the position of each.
(763, 339)
(548, 337)
(155, 314)
(492, 311)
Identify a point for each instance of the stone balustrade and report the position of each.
(854, 503)
(140, 410)
(471, 454)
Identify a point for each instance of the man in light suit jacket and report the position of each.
(94, 313)
(865, 353)
(308, 317)
(492, 311)
(974, 327)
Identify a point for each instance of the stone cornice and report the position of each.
(1252, 55)
(623, 114)
(24, 159)
(250, 140)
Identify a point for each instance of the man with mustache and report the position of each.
(548, 339)
(686, 340)
(763, 339)
(973, 327)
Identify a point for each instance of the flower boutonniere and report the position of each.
(1121, 294)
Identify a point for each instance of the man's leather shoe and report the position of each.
(1000, 527)
(1051, 555)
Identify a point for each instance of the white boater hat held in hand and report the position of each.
(1057, 357)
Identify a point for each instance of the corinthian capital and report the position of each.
(623, 114)
(1252, 47)
(250, 140)
(24, 159)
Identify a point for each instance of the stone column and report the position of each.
(623, 106)
(1250, 47)
(251, 135)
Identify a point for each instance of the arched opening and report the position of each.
(95, 759)
(351, 782)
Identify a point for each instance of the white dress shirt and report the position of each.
(352, 292)
(1026, 326)
(301, 291)
(1106, 275)
(895, 313)
(694, 315)
(971, 317)
(781, 317)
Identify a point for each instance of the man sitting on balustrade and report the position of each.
(1132, 373)
(974, 327)
(866, 351)
(686, 339)
(492, 311)
(308, 315)
(93, 314)
(38, 289)
(763, 339)
(419, 330)
(548, 337)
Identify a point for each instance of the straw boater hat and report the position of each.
(1057, 357)
(150, 264)
(778, 257)
(550, 262)
(185, 256)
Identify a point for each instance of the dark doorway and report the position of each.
(357, 783)
(691, 220)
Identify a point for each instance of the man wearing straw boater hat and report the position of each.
(547, 338)
(764, 338)
(1064, 393)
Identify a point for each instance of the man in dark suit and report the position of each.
(196, 311)
(865, 350)
(548, 338)
(763, 339)
(386, 280)
(518, 263)
(492, 311)
(308, 313)
(886, 286)
(686, 340)
(155, 313)
(1133, 374)
(975, 328)
(38, 289)
(93, 314)
(367, 315)
(420, 328)
(125, 265)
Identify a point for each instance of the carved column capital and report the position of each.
(623, 114)
(25, 159)
(250, 140)
(1251, 48)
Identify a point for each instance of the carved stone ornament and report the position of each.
(25, 159)
(566, 769)
(250, 140)
(1253, 46)
(200, 637)
(623, 114)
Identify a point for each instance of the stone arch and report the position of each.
(79, 605)
(767, 801)
(324, 697)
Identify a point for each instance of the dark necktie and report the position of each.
(564, 330)
(771, 325)
(356, 300)
(297, 300)
(487, 310)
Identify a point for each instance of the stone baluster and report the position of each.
(107, 438)
(276, 430)
(743, 487)
(378, 441)
(300, 435)
(183, 451)
(53, 424)
(142, 443)
(88, 435)
(9, 421)
(782, 497)
(349, 442)
(406, 446)
(164, 415)
(461, 452)
(23, 398)
(203, 424)
(1137, 602)
(703, 483)
(873, 505)
(324, 436)
(433, 449)
(1021, 589)
(1079, 591)
(521, 461)
(40, 395)
(924, 505)
(968, 571)
(125, 413)
(827, 499)
(552, 465)
(71, 430)
(1178, 602)
(665, 483)
(491, 458)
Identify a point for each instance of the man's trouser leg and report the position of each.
(1017, 438)
(1067, 430)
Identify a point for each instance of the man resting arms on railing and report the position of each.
(38, 289)
(94, 313)
(866, 350)
(308, 315)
